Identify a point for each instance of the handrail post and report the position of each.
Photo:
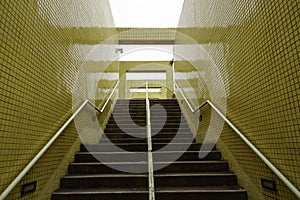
(149, 142)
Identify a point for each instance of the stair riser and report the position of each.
(137, 108)
(140, 157)
(112, 196)
(154, 126)
(128, 130)
(113, 182)
(154, 119)
(143, 113)
(194, 181)
(142, 135)
(168, 111)
(242, 195)
(126, 115)
(142, 122)
(126, 122)
(201, 195)
(141, 107)
(82, 168)
(108, 148)
(143, 147)
(141, 117)
(186, 156)
(192, 167)
(154, 140)
(143, 101)
(143, 130)
(143, 110)
(178, 147)
(124, 109)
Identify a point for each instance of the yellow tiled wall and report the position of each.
(194, 88)
(255, 47)
(42, 45)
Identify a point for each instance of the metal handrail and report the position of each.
(187, 102)
(149, 141)
(254, 149)
(21, 175)
(113, 91)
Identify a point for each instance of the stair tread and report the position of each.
(139, 139)
(192, 174)
(118, 175)
(156, 162)
(144, 134)
(144, 128)
(143, 144)
(99, 190)
(142, 152)
(223, 188)
(145, 175)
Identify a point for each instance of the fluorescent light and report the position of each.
(143, 90)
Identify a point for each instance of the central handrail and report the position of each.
(149, 141)
(252, 146)
(21, 175)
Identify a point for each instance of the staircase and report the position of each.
(179, 173)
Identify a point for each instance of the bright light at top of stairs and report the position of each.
(146, 13)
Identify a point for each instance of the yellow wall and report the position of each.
(194, 88)
(42, 46)
(254, 47)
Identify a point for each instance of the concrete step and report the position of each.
(142, 121)
(153, 125)
(143, 135)
(192, 179)
(144, 140)
(143, 130)
(105, 181)
(166, 156)
(203, 192)
(143, 147)
(105, 167)
(179, 193)
(100, 193)
(122, 180)
(203, 166)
